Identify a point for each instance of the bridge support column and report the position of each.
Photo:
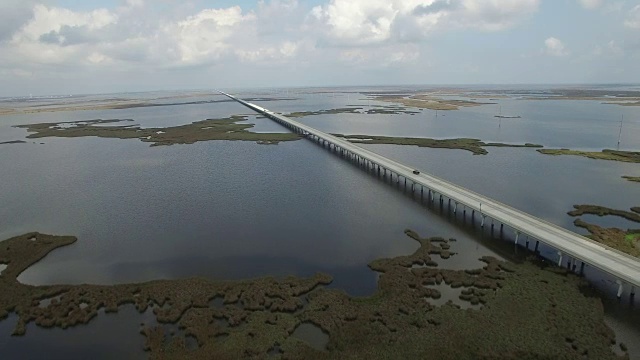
(559, 258)
(536, 247)
(620, 288)
(482, 223)
(527, 242)
(517, 236)
(581, 268)
(455, 207)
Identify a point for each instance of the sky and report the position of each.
(103, 46)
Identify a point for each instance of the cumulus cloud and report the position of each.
(633, 20)
(38, 38)
(555, 47)
(364, 22)
(201, 38)
(13, 15)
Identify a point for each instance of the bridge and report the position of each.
(623, 267)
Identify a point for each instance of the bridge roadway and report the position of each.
(625, 268)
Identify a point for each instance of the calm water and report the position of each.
(231, 210)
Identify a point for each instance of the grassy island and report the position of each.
(627, 241)
(606, 154)
(353, 109)
(422, 101)
(530, 309)
(475, 146)
(205, 130)
(632, 178)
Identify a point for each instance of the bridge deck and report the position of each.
(618, 264)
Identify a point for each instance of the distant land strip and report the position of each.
(606, 154)
(475, 146)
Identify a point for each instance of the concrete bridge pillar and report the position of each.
(620, 289)
(455, 207)
(536, 248)
(517, 236)
(559, 258)
(581, 268)
(482, 223)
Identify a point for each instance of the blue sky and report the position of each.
(72, 46)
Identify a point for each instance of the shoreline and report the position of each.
(397, 319)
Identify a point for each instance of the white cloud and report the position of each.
(590, 4)
(202, 37)
(365, 22)
(633, 19)
(555, 47)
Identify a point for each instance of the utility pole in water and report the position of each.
(620, 133)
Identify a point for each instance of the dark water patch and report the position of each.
(109, 336)
(312, 335)
(610, 221)
(451, 295)
(48, 301)
(217, 302)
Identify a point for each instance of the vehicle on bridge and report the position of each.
(416, 172)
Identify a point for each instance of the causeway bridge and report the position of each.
(574, 247)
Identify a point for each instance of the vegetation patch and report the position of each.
(422, 101)
(627, 241)
(475, 146)
(606, 154)
(205, 130)
(353, 109)
(603, 211)
(531, 310)
(632, 178)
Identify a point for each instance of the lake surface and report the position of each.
(235, 209)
